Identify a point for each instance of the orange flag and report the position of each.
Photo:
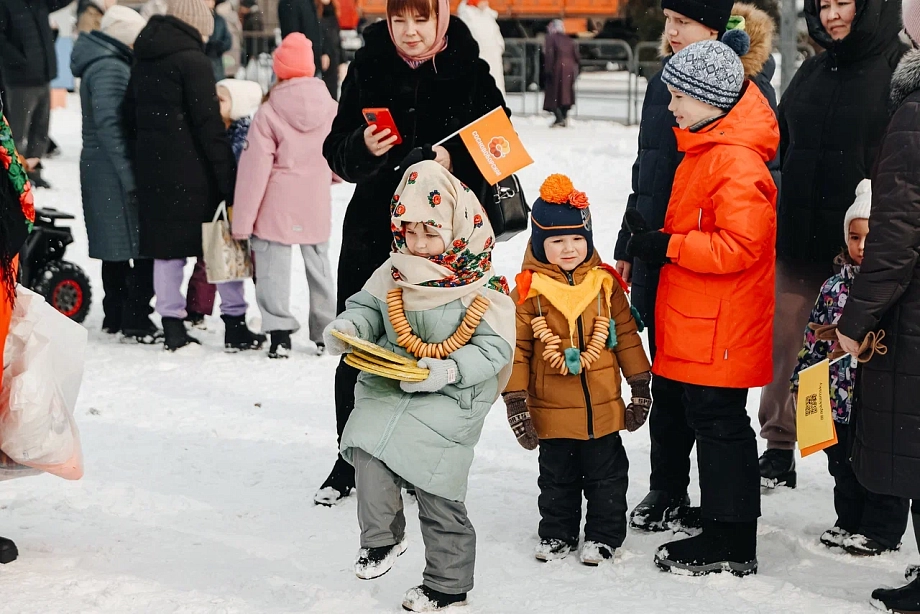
(495, 146)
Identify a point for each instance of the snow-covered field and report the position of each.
(201, 468)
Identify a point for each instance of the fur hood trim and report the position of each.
(759, 26)
(906, 78)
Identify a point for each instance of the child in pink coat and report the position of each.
(283, 195)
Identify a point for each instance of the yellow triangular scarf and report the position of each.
(571, 301)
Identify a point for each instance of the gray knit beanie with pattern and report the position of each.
(710, 71)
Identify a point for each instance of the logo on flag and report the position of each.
(498, 154)
(499, 147)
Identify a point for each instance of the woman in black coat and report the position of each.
(885, 298)
(183, 163)
(561, 68)
(332, 46)
(832, 118)
(428, 103)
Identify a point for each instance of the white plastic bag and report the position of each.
(42, 372)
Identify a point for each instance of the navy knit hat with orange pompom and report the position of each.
(560, 210)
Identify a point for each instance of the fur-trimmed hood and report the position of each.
(906, 78)
(759, 26)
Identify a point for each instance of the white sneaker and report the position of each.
(374, 562)
(595, 553)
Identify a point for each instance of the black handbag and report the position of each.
(506, 207)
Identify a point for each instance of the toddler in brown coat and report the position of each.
(575, 334)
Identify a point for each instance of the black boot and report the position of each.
(658, 510)
(722, 546)
(337, 486)
(176, 336)
(196, 320)
(904, 600)
(860, 545)
(8, 551)
(238, 337)
(281, 344)
(777, 468)
(424, 599)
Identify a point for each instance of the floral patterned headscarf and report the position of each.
(17, 209)
(429, 194)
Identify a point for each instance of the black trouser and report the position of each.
(672, 438)
(128, 291)
(358, 260)
(726, 448)
(29, 115)
(879, 517)
(598, 468)
(561, 113)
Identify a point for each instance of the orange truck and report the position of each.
(576, 13)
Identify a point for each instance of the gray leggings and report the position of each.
(450, 540)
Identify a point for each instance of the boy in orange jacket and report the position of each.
(575, 335)
(714, 314)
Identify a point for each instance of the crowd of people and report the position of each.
(735, 202)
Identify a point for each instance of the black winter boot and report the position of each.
(374, 562)
(176, 336)
(777, 468)
(658, 510)
(860, 545)
(8, 551)
(904, 600)
(238, 337)
(552, 549)
(281, 344)
(722, 546)
(337, 486)
(424, 599)
(196, 320)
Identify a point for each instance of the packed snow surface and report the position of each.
(201, 468)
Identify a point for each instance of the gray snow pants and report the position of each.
(30, 118)
(273, 286)
(450, 540)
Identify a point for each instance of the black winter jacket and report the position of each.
(886, 296)
(658, 158)
(301, 16)
(428, 103)
(26, 41)
(831, 121)
(183, 164)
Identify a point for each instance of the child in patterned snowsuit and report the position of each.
(867, 523)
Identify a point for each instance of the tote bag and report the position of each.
(225, 258)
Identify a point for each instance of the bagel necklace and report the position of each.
(413, 344)
(573, 361)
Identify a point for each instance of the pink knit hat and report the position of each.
(294, 58)
(910, 10)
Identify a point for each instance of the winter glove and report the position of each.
(869, 347)
(334, 345)
(641, 403)
(650, 246)
(440, 374)
(418, 154)
(519, 419)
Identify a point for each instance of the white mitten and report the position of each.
(334, 345)
(440, 374)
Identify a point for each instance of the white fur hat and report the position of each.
(122, 24)
(245, 97)
(860, 208)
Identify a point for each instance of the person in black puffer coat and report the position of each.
(653, 175)
(428, 103)
(301, 16)
(831, 121)
(885, 299)
(183, 163)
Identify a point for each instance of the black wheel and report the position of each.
(66, 288)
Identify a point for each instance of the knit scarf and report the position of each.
(17, 209)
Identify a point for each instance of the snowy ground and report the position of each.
(201, 467)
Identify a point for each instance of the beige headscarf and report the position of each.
(429, 194)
